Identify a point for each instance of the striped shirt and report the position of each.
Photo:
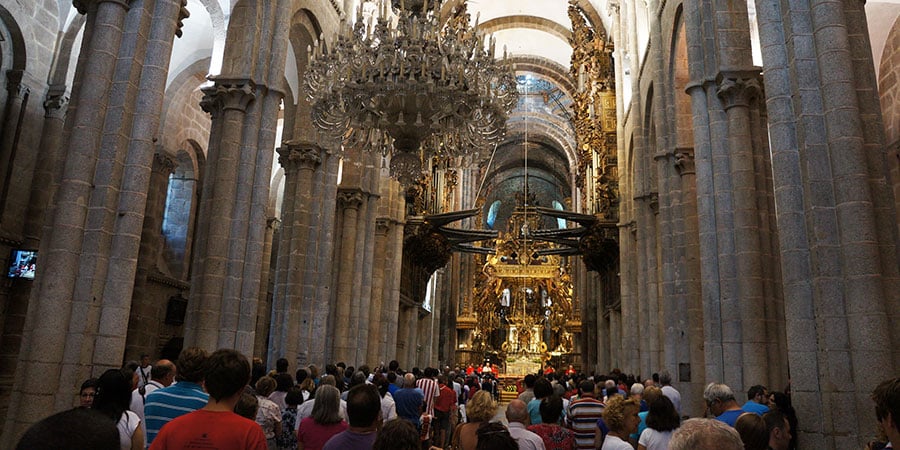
(582, 419)
(431, 390)
(163, 405)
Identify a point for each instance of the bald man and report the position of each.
(409, 400)
(162, 374)
(517, 416)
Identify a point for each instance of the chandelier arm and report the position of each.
(486, 171)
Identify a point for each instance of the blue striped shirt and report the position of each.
(163, 405)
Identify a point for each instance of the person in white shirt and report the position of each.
(143, 371)
(517, 416)
(621, 416)
(162, 375)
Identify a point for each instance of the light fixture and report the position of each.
(412, 86)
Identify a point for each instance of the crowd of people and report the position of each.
(222, 400)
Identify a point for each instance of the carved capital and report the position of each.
(684, 161)
(350, 198)
(227, 94)
(382, 226)
(163, 163)
(14, 84)
(739, 89)
(56, 102)
(294, 155)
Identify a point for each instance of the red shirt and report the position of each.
(210, 429)
(446, 399)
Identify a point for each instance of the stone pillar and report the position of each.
(49, 165)
(835, 217)
(13, 117)
(244, 103)
(692, 404)
(81, 313)
(403, 336)
(300, 161)
(227, 103)
(349, 203)
(390, 316)
(145, 312)
(264, 317)
(744, 312)
(375, 352)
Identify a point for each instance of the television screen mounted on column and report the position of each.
(22, 264)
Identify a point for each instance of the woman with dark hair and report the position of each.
(494, 436)
(287, 440)
(662, 420)
(268, 415)
(398, 435)
(325, 421)
(112, 400)
(283, 383)
(542, 390)
(87, 392)
(554, 436)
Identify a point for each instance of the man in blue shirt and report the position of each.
(186, 395)
(410, 400)
(721, 403)
(757, 398)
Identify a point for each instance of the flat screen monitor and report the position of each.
(22, 264)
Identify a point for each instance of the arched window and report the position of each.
(492, 214)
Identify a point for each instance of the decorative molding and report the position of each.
(163, 163)
(350, 198)
(56, 102)
(684, 161)
(161, 278)
(84, 5)
(227, 94)
(737, 88)
(300, 155)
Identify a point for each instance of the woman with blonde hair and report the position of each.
(479, 409)
(325, 421)
(621, 416)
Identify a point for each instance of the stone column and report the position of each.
(745, 311)
(264, 317)
(690, 300)
(300, 161)
(835, 217)
(390, 316)
(145, 312)
(227, 103)
(349, 202)
(48, 168)
(375, 351)
(403, 337)
(14, 115)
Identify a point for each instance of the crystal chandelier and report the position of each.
(413, 86)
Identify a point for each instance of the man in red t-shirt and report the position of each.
(444, 409)
(216, 425)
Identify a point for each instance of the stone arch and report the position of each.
(182, 118)
(12, 52)
(531, 22)
(889, 91)
(305, 31)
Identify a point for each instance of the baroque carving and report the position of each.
(594, 105)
